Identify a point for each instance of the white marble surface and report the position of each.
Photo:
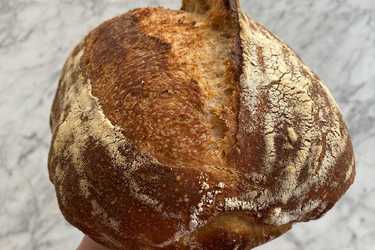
(335, 37)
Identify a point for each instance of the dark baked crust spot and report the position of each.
(236, 230)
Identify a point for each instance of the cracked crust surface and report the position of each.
(292, 141)
(199, 124)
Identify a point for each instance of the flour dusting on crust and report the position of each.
(293, 164)
(299, 116)
(73, 133)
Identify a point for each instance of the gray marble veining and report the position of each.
(336, 38)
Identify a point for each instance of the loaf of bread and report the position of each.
(193, 129)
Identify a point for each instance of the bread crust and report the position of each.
(292, 140)
(130, 175)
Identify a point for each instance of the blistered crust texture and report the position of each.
(221, 141)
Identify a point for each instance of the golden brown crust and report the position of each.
(145, 86)
(104, 185)
(193, 129)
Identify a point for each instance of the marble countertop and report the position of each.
(336, 38)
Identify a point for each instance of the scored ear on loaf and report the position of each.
(193, 129)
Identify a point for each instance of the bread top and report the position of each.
(165, 78)
(199, 124)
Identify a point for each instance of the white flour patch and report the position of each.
(207, 200)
